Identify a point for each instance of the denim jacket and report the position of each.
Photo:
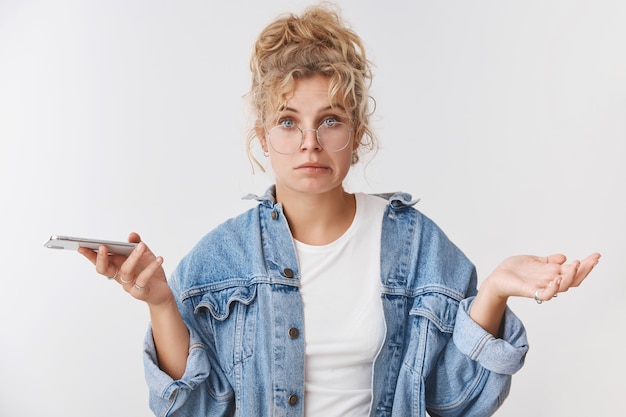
(238, 292)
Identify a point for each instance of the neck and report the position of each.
(318, 219)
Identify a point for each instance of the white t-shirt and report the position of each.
(343, 316)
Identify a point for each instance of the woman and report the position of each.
(320, 302)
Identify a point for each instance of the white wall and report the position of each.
(508, 119)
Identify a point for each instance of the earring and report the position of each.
(266, 154)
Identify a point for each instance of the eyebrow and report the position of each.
(322, 110)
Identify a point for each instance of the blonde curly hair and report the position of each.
(317, 42)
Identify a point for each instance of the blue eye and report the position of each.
(287, 123)
(330, 121)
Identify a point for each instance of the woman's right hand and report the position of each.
(141, 273)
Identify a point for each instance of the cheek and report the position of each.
(345, 159)
(278, 162)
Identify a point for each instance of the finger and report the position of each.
(546, 270)
(586, 266)
(547, 293)
(591, 261)
(556, 258)
(134, 237)
(142, 283)
(595, 257)
(89, 254)
(568, 274)
(127, 273)
(143, 279)
(103, 266)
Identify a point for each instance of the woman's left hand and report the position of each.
(541, 278)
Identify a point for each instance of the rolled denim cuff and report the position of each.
(163, 387)
(503, 356)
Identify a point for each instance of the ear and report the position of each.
(261, 134)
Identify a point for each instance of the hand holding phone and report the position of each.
(142, 276)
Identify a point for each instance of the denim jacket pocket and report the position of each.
(438, 308)
(231, 316)
(451, 378)
(431, 322)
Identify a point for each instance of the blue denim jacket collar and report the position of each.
(397, 200)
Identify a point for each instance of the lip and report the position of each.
(312, 167)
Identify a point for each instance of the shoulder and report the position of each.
(401, 207)
(403, 222)
(222, 253)
(418, 253)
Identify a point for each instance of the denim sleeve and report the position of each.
(203, 388)
(474, 371)
(165, 392)
(503, 356)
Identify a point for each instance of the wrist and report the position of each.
(488, 307)
(491, 288)
(164, 307)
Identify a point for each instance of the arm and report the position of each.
(141, 275)
(470, 374)
(526, 276)
(177, 361)
(171, 338)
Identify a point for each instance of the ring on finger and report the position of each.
(139, 287)
(123, 281)
(114, 275)
(536, 296)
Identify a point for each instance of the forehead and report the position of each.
(311, 94)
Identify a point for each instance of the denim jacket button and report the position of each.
(288, 272)
(293, 399)
(294, 333)
(274, 215)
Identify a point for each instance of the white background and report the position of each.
(508, 119)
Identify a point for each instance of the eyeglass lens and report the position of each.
(288, 139)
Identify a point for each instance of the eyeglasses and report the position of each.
(288, 138)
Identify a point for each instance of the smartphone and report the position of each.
(73, 243)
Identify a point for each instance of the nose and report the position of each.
(309, 140)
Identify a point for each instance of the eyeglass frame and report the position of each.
(317, 137)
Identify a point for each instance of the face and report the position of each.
(311, 169)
